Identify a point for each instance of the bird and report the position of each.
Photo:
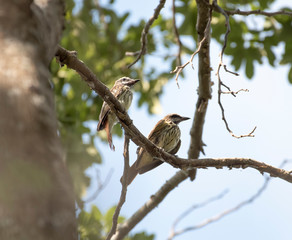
(107, 119)
(166, 135)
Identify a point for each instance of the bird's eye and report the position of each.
(175, 116)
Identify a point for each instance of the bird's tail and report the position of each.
(109, 136)
(132, 173)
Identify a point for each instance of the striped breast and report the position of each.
(126, 97)
(169, 138)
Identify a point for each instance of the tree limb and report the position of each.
(221, 64)
(174, 233)
(257, 12)
(153, 202)
(124, 188)
(222, 214)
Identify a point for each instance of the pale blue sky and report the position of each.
(267, 106)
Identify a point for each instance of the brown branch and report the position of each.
(173, 233)
(204, 16)
(220, 83)
(258, 12)
(223, 214)
(124, 189)
(145, 31)
(226, 162)
(176, 34)
(153, 202)
(235, 93)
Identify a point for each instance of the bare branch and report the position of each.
(220, 83)
(145, 31)
(223, 214)
(176, 34)
(178, 69)
(153, 202)
(124, 188)
(235, 93)
(227, 162)
(100, 185)
(258, 12)
(173, 233)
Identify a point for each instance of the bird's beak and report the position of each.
(184, 118)
(133, 82)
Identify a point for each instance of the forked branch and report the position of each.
(221, 64)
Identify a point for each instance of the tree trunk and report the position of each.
(36, 194)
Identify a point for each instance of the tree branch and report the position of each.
(153, 202)
(178, 69)
(124, 188)
(257, 12)
(145, 31)
(174, 233)
(221, 64)
(228, 162)
(204, 89)
(223, 214)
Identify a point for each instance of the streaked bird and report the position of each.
(107, 119)
(165, 134)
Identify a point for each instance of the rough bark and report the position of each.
(204, 89)
(36, 194)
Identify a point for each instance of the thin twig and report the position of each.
(145, 31)
(124, 189)
(220, 83)
(176, 34)
(223, 214)
(178, 69)
(258, 12)
(100, 185)
(192, 208)
(235, 93)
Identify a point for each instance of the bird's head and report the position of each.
(175, 118)
(127, 81)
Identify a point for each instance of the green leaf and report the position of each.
(249, 70)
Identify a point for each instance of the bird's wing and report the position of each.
(105, 109)
(175, 150)
(154, 134)
(103, 116)
(144, 161)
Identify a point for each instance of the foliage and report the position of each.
(94, 225)
(102, 37)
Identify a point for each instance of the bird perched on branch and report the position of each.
(107, 119)
(165, 134)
